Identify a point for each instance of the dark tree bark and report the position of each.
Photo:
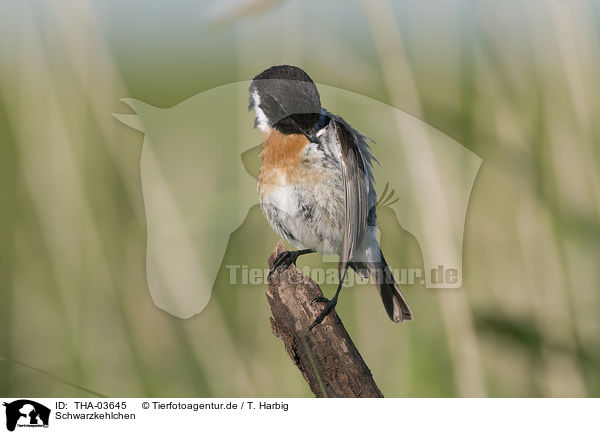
(326, 356)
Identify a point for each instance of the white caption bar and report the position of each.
(265, 415)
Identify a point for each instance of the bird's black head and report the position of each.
(284, 97)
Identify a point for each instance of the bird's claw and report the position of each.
(319, 299)
(330, 305)
(283, 260)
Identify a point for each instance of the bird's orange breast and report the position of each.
(284, 161)
(282, 151)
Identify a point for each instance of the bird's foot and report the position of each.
(320, 299)
(328, 308)
(285, 259)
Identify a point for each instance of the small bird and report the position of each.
(315, 184)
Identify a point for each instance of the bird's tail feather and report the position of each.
(394, 302)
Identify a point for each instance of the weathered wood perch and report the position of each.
(326, 356)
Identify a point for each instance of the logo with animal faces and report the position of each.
(199, 165)
(25, 413)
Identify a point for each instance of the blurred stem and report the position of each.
(8, 177)
(55, 377)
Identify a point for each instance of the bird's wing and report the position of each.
(355, 175)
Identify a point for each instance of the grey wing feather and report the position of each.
(357, 177)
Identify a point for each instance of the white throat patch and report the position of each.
(261, 118)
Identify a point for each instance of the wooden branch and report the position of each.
(326, 356)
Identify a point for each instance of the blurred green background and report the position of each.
(515, 82)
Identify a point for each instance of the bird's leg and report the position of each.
(285, 259)
(330, 303)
